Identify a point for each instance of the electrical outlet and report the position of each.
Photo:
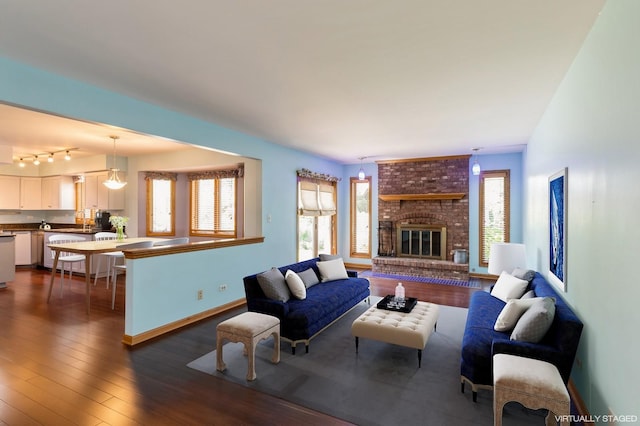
(200, 294)
(222, 287)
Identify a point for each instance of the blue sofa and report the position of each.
(301, 320)
(480, 341)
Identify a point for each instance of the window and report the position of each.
(360, 217)
(213, 207)
(161, 204)
(316, 217)
(494, 211)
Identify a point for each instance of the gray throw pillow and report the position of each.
(324, 257)
(309, 277)
(273, 285)
(535, 322)
(524, 274)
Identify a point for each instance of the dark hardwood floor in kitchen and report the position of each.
(60, 366)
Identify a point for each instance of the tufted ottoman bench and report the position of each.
(531, 382)
(248, 328)
(411, 329)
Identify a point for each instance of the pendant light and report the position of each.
(114, 181)
(361, 174)
(475, 169)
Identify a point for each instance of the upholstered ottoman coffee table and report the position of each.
(410, 329)
(248, 328)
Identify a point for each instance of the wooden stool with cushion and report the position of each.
(248, 328)
(533, 383)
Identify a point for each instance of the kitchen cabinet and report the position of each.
(30, 193)
(98, 196)
(58, 193)
(22, 248)
(10, 192)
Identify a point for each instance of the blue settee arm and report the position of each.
(268, 306)
(352, 274)
(526, 349)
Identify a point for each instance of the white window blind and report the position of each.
(213, 206)
(494, 211)
(316, 199)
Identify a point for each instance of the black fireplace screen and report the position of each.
(422, 241)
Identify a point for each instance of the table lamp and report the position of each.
(506, 257)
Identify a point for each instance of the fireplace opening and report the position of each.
(422, 241)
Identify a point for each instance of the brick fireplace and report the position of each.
(425, 193)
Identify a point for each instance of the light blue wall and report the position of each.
(591, 127)
(26, 86)
(513, 163)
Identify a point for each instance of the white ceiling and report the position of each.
(339, 78)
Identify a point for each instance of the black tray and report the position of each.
(389, 304)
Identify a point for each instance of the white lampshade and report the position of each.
(506, 257)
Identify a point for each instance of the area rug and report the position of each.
(430, 280)
(381, 385)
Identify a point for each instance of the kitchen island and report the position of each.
(7, 258)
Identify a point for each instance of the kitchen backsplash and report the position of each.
(29, 217)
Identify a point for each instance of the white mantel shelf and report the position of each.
(427, 196)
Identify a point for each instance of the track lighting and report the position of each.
(50, 156)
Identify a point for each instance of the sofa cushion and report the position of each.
(324, 303)
(536, 321)
(332, 270)
(273, 285)
(309, 277)
(295, 284)
(509, 287)
(512, 312)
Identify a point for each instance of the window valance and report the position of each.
(217, 174)
(306, 173)
(160, 176)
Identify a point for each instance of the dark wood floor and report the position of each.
(59, 366)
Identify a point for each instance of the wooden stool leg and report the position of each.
(276, 347)
(251, 354)
(498, 405)
(220, 366)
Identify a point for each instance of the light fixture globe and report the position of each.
(475, 169)
(114, 182)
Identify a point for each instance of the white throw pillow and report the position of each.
(509, 287)
(332, 270)
(512, 312)
(296, 285)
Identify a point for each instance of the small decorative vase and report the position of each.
(119, 233)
